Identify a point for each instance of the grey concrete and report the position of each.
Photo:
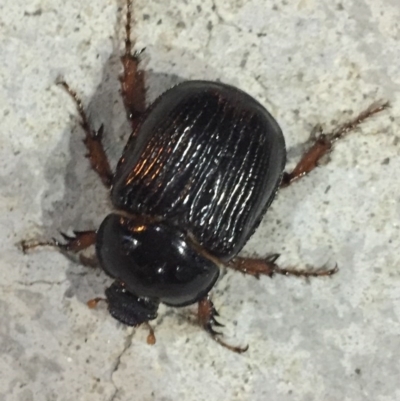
(308, 62)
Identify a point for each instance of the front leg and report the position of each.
(206, 316)
(323, 143)
(267, 266)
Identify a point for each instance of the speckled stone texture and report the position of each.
(308, 62)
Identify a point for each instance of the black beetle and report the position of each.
(199, 171)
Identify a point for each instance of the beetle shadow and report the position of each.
(75, 199)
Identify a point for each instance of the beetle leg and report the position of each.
(206, 316)
(323, 143)
(96, 153)
(151, 338)
(80, 241)
(92, 303)
(132, 79)
(255, 267)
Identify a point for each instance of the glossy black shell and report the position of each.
(208, 158)
(154, 260)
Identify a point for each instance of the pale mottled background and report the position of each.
(308, 62)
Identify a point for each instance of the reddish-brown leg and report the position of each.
(81, 240)
(267, 266)
(151, 338)
(132, 78)
(324, 142)
(96, 153)
(92, 303)
(206, 316)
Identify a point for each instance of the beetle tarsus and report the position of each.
(322, 144)
(132, 79)
(267, 266)
(206, 316)
(27, 245)
(128, 43)
(80, 241)
(322, 272)
(151, 338)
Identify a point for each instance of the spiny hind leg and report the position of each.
(206, 316)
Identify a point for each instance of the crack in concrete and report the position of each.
(208, 40)
(257, 78)
(46, 282)
(11, 288)
(128, 343)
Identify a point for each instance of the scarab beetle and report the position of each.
(199, 171)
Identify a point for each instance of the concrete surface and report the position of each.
(308, 62)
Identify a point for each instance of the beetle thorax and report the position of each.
(154, 260)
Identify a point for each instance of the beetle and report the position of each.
(198, 173)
